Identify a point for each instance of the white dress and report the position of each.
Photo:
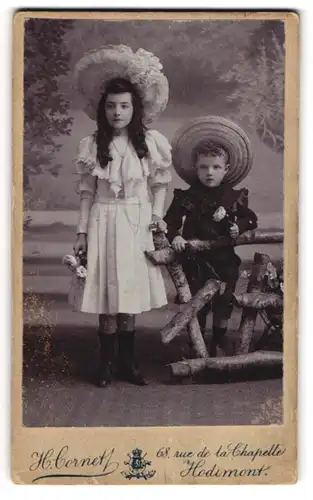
(117, 203)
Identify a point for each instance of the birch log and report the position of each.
(249, 315)
(246, 238)
(189, 310)
(231, 364)
(167, 255)
(258, 300)
(175, 269)
(184, 295)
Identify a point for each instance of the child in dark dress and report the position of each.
(210, 209)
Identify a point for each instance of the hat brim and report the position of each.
(98, 67)
(221, 131)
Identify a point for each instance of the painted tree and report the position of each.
(45, 107)
(194, 53)
(259, 91)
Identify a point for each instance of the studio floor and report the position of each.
(60, 358)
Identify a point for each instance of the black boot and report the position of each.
(202, 317)
(127, 368)
(217, 339)
(107, 356)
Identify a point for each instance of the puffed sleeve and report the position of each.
(160, 161)
(85, 163)
(160, 158)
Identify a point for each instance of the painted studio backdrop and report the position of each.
(230, 68)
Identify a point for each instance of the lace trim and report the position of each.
(131, 169)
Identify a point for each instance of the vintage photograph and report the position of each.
(153, 197)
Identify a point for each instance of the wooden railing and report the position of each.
(254, 300)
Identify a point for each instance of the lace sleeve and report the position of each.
(160, 158)
(85, 165)
(86, 183)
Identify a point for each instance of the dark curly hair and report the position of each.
(209, 148)
(136, 128)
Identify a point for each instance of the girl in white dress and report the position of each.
(124, 174)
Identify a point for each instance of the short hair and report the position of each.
(209, 148)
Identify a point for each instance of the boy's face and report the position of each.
(211, 169)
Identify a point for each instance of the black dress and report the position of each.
(191, 216)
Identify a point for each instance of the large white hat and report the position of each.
(97, 67)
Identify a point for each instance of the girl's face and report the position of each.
(211, 169)
(119, 110)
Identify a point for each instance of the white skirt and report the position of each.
(120, 279)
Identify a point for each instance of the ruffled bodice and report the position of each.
(128, 176)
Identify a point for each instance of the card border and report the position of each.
(291, 172)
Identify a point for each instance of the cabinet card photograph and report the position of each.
(155, 207)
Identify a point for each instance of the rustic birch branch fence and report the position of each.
(257, 300)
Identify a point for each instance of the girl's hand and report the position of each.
(179, 244)
(80, 247)
(158, 224)
(234, 231)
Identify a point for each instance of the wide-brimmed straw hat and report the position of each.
(222, 132)
(97, 67)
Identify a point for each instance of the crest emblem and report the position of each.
(137, 466)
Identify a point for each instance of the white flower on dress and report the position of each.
(282, 286)
(219, 214)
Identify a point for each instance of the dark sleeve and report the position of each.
(174, 215)
(246, 218)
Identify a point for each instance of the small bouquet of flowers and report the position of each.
(78, 266)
